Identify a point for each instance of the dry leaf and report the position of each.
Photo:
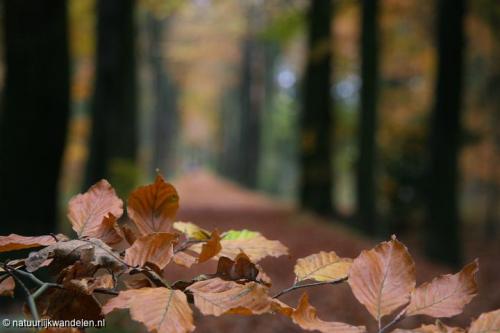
(156, 249)
(438, 327)
(184, 259)
(128, 233)
(7, 284)
(161, 310)
(86, 211)
(486, 323)
(88, 285)
(138, 283)
(306, 317)
(109, 231)
(383, 278)
(217, 296)
(239, 269)
(278, 306)
(446, 295)
(192, 231)
(16, 242)
(253, 244)
(211, 248)
(322, 266)
(153, 207)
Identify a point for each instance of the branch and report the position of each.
(313, 284)
(394, 321)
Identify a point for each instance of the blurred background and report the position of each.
(347, 120)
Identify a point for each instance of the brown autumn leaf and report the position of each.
(156, 249)
(153, 207)
(63, 304)
(128, 234)
(322, 266)
(306, 317)
(138, 283)
(7, 284)
(161, 310)
(184, 259)
(17, 242)
(488, 322)
(109, 231)
(210, 248)
(67, 253)
(87, 211)
(446, 295)
(252, 243)
(239, 269)
(382, 278)
(89, 284)
(438, 327)
(216, 297)
(280, 307)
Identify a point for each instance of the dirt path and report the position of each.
(211, 202)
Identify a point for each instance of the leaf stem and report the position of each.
(394, 321)
(305, 285)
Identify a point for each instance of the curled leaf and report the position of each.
(446, 295)
(383, 278)
(14, 242)
(239, 269)
(306, 317)
(156, 248)
(216, 297)
(192, 231)
(322, 266)
(486, 323)
(87, 211)
(210, 248)
(109, 231)
(153, 207)
(161, 310)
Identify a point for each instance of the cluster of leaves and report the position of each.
(121, 264)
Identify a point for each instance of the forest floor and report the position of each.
(215, 203)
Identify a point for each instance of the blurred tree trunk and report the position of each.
(253, 99)
(230, 135)
(34, 114)
(316, 132)
(366, 184)
(165, 117)
(113, 141)
(443, 224)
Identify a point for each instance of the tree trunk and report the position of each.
(443, 223)
(316, 134)
(34, 116)
(366, 185)
(113, 142)
(165, 118)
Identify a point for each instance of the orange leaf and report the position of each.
(86, 211)
(383, 278)
(153, 207)
(88, 285)
(217, 296)
(432, 328)
(156, 249)
(161, 310)
(322, 266)
(16, 242)
(109, 231)
(184, 259)
(211, 248)
(446, 295)
(306, 317)
(486, 323)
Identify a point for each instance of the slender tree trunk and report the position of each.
(113, 142)
(366, 186)
(316, 134)
(443, 223)
(165, 118)
(35, 114)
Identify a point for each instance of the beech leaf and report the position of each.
(161, 310)
(210, 248)
(488, 322)
(63, 304)
(382, 278)
(156, 248)
(446, 295)
(153, 207)
(322, 266)
(192, 231)
(7, 284)
(216, 297)
(438, 327)
(306, 317)
(17, 242)
(184, 259)
(86, 211)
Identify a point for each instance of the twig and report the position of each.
(313, 284)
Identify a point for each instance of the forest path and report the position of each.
(212, 202)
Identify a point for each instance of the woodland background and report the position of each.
(348, 120)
